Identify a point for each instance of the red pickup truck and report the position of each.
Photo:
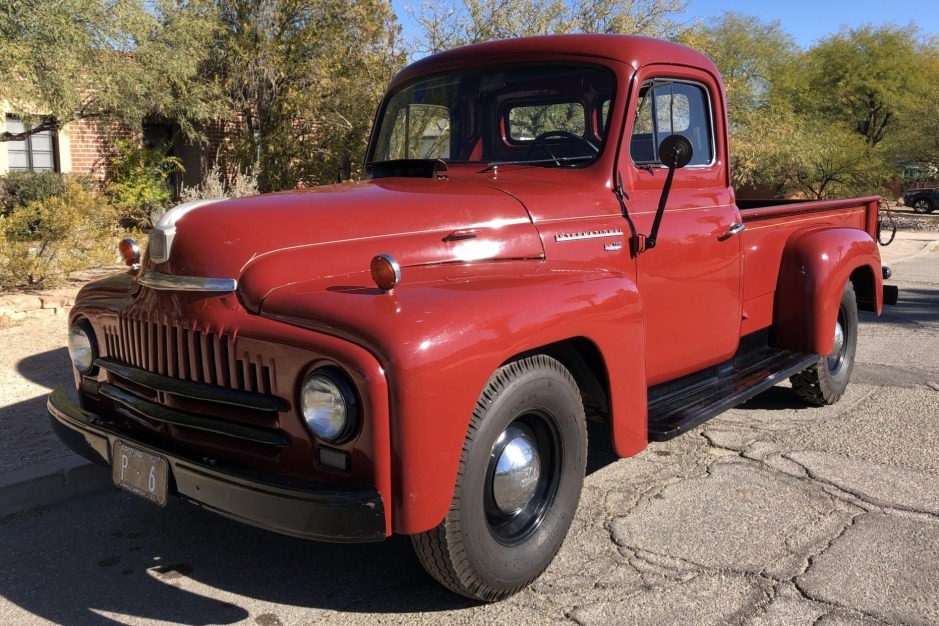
(545, 234)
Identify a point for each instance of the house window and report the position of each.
(36, 153)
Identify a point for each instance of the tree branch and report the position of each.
(49, 123)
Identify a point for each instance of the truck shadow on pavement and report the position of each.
(98, 558)
(49, 369)
(112, 555)
(24, 421)
(914, 306)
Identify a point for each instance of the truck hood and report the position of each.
(266, 242)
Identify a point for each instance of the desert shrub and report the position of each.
(17, 189)
(47, 240)
(139, 183)
(217, 185)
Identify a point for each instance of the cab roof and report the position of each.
(631, 50)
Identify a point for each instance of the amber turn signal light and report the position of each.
(385, 271)
(130, 253)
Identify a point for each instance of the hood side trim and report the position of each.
(167, 282)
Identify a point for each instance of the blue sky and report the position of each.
(806, 20)
(810, 21)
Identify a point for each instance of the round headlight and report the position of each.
(81, 347)
(328, 406)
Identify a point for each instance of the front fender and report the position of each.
(442, 333)
(815, 266)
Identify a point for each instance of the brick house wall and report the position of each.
(90, 142)
(84, 147)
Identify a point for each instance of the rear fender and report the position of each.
(442, 333)
(816, 265)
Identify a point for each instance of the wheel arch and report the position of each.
(865, 288)
(622, 408)
(815, 266)
(584, 360)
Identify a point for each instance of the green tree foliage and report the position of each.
(64, 60)
(304, 79)
(866, 77)
(804, 157)
(916, 141)
(828, 121)
(874, 82)
(139, 183)
(752, 56)
(452, 23)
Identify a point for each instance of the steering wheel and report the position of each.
(541, 142)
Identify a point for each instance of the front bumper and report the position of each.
(324, 511)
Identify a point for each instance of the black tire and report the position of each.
(922, 205)
(482, 550)
(825, 382)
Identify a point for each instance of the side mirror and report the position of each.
(675, 151)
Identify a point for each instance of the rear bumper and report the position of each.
(313, 510)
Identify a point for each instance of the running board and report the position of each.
(679, 411)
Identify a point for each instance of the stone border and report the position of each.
(19, 306)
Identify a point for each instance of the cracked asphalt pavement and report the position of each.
(771, 514)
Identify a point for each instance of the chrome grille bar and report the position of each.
(186, 354)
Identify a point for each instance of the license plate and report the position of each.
(139, 472)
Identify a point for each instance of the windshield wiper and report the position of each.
(542, 162)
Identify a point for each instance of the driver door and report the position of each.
(691, 280)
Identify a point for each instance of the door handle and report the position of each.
(735, 229)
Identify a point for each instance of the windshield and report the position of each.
(551, 115)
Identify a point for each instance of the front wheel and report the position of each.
(825, 382)
(518, 484)
(922, 206)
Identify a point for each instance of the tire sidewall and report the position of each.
(548, 393)
(838, 380)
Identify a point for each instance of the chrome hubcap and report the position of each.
(837, 352)
(517, 470)
(839, 338)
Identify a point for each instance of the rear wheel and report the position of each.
(825, 382)
(518, 484)
(922, 206)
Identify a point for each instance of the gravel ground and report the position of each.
(33, 361)
(909, 222)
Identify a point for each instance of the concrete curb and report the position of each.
(50, 483)
(928, 239)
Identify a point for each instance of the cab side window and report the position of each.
(670, 107)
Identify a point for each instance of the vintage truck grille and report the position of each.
(186, 354)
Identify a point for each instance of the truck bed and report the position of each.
(770, 225)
